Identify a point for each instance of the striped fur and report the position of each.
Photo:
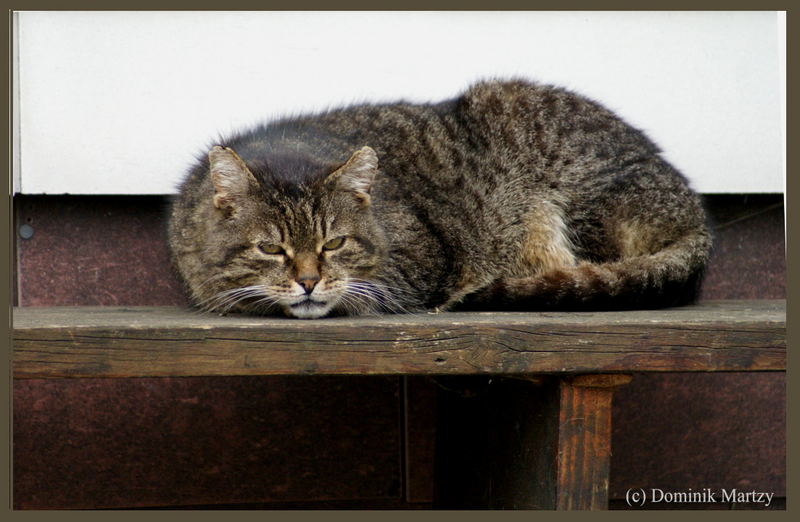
(512, 195)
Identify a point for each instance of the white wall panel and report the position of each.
(121, 102)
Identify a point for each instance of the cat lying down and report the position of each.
(512, 196)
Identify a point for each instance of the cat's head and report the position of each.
(292, 234)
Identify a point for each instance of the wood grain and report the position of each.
(169, 341)
(584, 447)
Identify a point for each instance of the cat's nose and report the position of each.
(308, 283)
(306, 267)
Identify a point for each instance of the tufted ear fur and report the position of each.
(231, 178)
(357, 174)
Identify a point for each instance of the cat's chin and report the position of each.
(308, 309)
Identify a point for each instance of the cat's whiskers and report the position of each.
(358, 304)
(377, 296)
(400, 297)
(266, 303)
(224, 301)
(382, 285)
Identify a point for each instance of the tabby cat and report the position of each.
(514, 195)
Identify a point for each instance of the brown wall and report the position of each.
(338, 441)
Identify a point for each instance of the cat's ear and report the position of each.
(231, 178)
(357, 174)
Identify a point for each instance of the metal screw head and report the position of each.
(25, 231)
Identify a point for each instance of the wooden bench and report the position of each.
(549, 409)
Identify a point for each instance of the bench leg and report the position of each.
(524, 443)
(584, 440)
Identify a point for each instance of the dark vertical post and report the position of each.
(523, 443)
(461, 450)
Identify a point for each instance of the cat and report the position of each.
(514, 195)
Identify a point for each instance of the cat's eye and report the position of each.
(271, 249)
(333, 244)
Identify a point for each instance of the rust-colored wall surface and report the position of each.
(749, 258)
(679, 432)
(337, 441)
(101, 251)
(95, 443)
(112, 251)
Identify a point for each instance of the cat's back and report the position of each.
(550, 129)
(495, 133)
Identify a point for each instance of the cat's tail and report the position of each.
(669, 277)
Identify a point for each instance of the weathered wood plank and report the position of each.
(165, 341)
